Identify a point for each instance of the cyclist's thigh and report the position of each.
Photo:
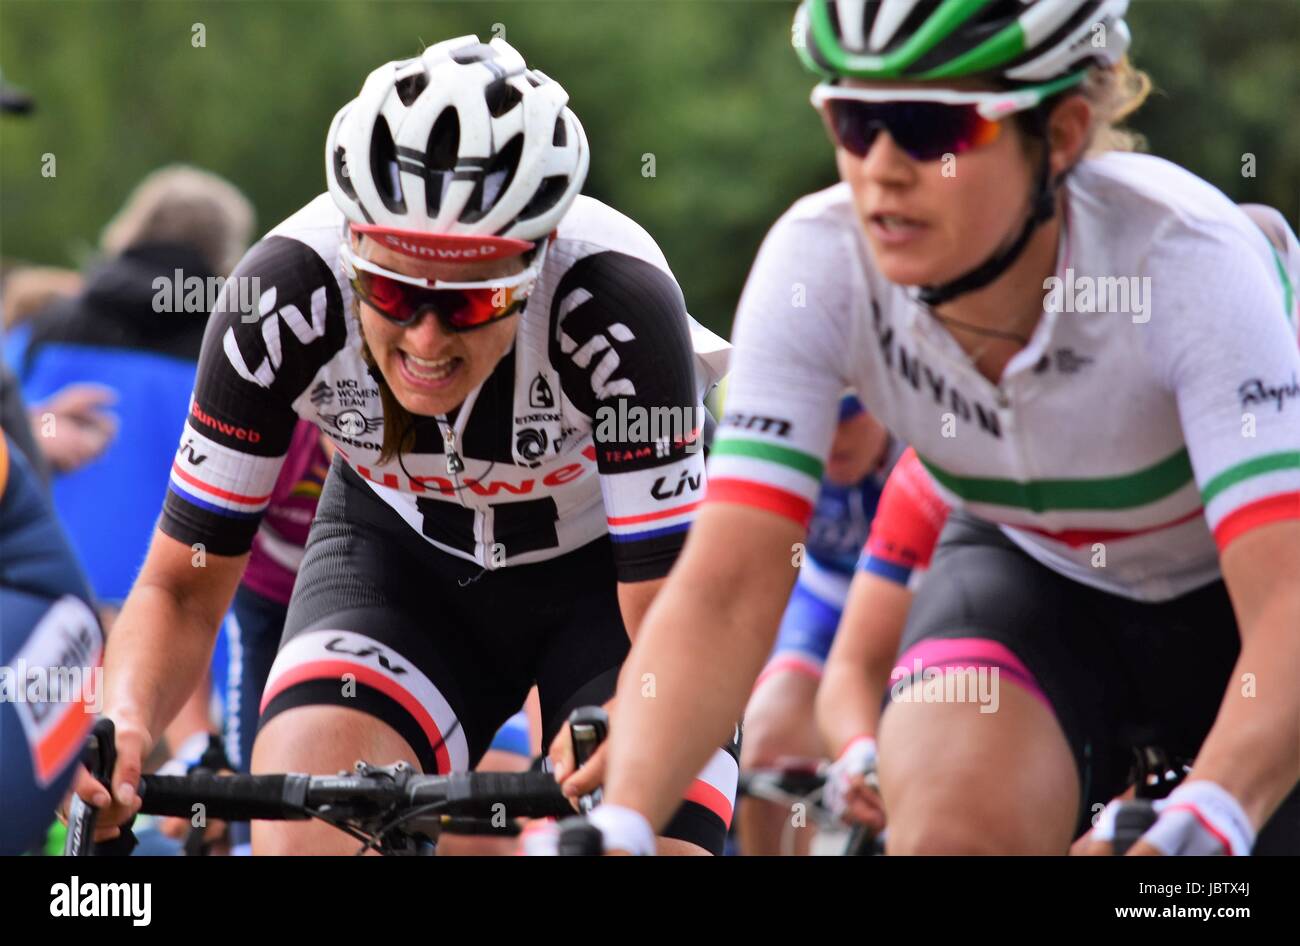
(579, 667)
(319, 739)
(974, 753)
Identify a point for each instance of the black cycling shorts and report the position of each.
(445, 652)
(1117, 673)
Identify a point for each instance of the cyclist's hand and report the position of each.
(73, 427)
(1198, 818)
(847, 794)
(586, 779)
(863, 806)
(1083, 845)
(133, 744)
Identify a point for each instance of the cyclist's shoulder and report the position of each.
(598, 244)
(826, 214)
(282, 312)
(608, 275)
(1167, 212)
(816, 243)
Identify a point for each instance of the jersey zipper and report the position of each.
(452, 437)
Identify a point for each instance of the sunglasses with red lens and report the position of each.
(459, 306)
(926, 123)
(926, 131)
(459, 310)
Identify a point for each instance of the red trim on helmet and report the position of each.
(444, 247)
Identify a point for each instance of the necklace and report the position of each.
(992, 334)
(979, 330)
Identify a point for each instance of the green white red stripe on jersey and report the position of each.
(1161, 496)
(755, 472)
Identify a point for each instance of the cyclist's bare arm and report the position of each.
(160, 648)
(1253, 750)
(634, 600)
(697, 655)
(857, 671)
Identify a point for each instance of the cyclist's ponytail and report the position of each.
(1115, 93)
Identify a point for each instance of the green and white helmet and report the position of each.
(1023, 42)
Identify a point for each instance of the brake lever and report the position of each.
(100, 758)
(588, 726)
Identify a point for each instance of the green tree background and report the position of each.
(709, 88)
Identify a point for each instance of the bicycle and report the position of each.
(391, 809)
(800, 782)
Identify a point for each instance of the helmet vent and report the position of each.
(494, 181)
(547, 196)
(440, 159)
(561, 136)
(444, 142)
(502, 97)
(341, 173)
(383, 168)
(409, 89)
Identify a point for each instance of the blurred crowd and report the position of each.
(98, 366)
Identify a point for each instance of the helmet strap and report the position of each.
(1042, 209)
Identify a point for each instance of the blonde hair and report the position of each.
(32, 288)
(1115, 93)
(183, 204)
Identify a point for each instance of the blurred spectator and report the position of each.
(135, 332)
(29, 289)
(13, 418)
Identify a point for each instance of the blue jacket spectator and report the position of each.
(136, 330)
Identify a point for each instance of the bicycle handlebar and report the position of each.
(292, 797)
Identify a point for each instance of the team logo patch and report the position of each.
(530, 443)
(539, 393)
(353, 423)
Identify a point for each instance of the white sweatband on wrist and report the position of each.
(187, 754)
(861, 752)
(1201, 811)
(624, 829)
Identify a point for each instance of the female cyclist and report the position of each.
(478, 341)
(1093, 353)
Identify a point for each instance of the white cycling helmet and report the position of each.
(461, 153)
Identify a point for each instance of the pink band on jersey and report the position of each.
(962, 653)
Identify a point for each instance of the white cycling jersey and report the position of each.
(543, 457)
(1154, 413)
